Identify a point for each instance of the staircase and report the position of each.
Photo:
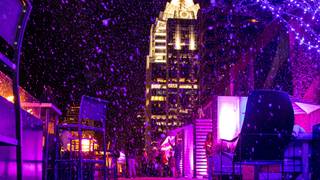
(202, 127)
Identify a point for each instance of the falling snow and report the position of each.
(75, 48)
(90, 48)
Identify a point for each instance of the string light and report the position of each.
(304, 34)
(304, 26)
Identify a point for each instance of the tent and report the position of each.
(306, 115)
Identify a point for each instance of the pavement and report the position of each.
(156, 178)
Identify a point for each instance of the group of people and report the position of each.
(156, 163)
(162, 164)
(159, 164)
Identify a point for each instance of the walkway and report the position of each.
(156, 178)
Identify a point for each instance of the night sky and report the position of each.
(99, 47)
(89, 47)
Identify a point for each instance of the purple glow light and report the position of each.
(228, 117)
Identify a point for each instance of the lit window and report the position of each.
(183, 111)
(160, 80)
(182, 79)
(158, 86)
(155, 86)
(158, 98)
(87, 145)
(172, 85)
(185, 86)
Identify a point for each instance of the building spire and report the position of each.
(181, 9)
(183, 3)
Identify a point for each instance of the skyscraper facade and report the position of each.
(172, 69)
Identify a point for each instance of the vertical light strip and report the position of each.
(178, 38)
(192, 43)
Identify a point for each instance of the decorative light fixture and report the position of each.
(303, 32)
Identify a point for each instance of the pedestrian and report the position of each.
(208, 146)
(132, 163)
(144, 162)
(159, 166)
(171, 164)
(164, 162)
(177, 148)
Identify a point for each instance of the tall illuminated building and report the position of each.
(172, 69)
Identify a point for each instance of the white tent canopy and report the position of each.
(307, 108)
